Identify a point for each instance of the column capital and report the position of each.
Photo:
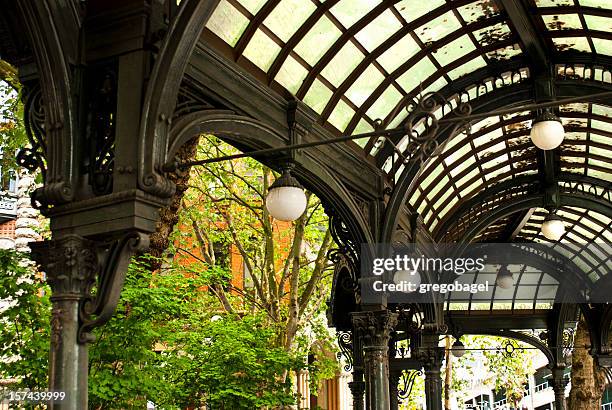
(559, 380)
(70, 263)
(374, 327)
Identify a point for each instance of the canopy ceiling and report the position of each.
(357, 63)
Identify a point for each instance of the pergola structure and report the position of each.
(114, 89)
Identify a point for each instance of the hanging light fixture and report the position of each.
(286, 199)
(409, 277)
(553, 227)
(458, 349)
(504, 278)
(547, 131)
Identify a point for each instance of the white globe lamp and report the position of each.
(286, 200)
(458, 349)
(504, 278)
(553, 227)
(402, 276)
(547, 131)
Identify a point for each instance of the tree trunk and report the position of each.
(168, 217)
(588, 381)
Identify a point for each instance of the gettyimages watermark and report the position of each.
(525, 274)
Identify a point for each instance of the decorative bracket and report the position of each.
(98, 309)
(75, 266)
(406, 383)
(345, 343)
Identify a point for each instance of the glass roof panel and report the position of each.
(562, 22)
(602, 46)
(361, 128)
(227, 23)
(291, 75)
(413, 78)
(343, 63)
(318, 40)
(468, 67)
(435, 86)
(364, 85)
(604, 4)
(438, 28)
(598, 22)
(411, 10)
(381, 28)
(454, 50)
(478, 10)
(399, 53)
(348, 12)
(341, 115)
(572, 43)
(262, 50)
(492, 34)
(554, 3)
(288, 16)
(318, 95)
(252, 6)
(385, 103)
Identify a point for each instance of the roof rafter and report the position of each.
(520, 17)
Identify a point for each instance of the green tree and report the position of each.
(24, 322)
(230, 363)
(287, 275)
(12, 130)
(502, 371)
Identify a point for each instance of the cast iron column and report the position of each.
(71, 264)
(357, 391)
(432, 363)
(357, 386)
(374, 329)
(559, 383)
(393, 389)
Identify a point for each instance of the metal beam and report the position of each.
(477, 322)
(521, 19)
(517, 224)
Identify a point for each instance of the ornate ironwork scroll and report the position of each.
(102, 131)
(406, 384)
(421, 128)
(33, 158)
(347, 253)
(585, 188)
(345, 343)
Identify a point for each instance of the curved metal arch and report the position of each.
(162, 92)
(533, 341)
(546, 266)
(52, 51)
(562, 314)
(527, 149)
(248, 133)
(533, 201)
(531, 181)
(497, 99)
(599, 319)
